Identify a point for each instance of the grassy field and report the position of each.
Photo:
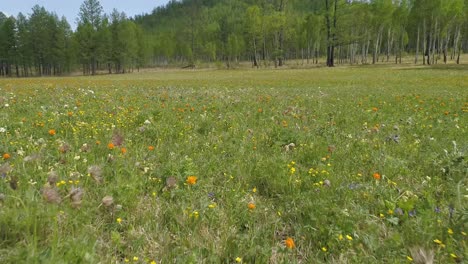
(343, 165)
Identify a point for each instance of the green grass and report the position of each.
(230, 130)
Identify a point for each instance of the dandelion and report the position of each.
(340, 237)
(450, 231)
(212, 205)
(289, 242)
(153, 262)
(376, 176)
(254, 190)
(52, 132)
(119, 220)
(6, 156)
(239, 260)
(350, 238)
(191, 180)
(324, 249)
(251, 206)
(135, 258)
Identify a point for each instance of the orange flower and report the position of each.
(289, 242)
(6, 156)
(375, 109)
(251, 206)
(52, 132)
(98, 142)
(70, 114)
(123, 150)
(260, 110)
(110, 146)
(376, 176)
(191, 180)
(151, 148)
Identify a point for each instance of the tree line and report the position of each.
(264, 32)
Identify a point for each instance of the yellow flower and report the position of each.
(437, 241)
(153, 262)
(324, 249)
(119, 220)
(409, 258)
(340, 237)
(254, 189)
(239, 260)
(349, 237)
(213, 205)
(450, 231)
(135, 258)
(453, 255)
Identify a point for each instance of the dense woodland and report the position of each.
(264, 32)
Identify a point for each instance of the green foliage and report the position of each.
(354, 165)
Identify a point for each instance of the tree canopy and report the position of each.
(265, 32)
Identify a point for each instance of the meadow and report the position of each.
(344, 165)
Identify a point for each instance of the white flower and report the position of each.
(147, 122)
(2, 130)
(7, 105)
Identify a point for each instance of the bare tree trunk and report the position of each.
(417, 49)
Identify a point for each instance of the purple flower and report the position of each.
(412, 213)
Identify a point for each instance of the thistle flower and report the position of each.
(76, 196)
(51, 195)
(95, 172)
(52, 178)
(117, 139)
(107, 201)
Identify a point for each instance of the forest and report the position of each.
(265, 33)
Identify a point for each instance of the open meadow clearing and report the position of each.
(342, 165)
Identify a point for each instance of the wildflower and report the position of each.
(110, 146)
(450, 231)
(409, 258)
(151, 148)
(119, 220)
(107, 201)
(76, 195)
(239, 260)
(251, 206)
(438, 242)
(52, 132)
(350, 238)
(153, 262)
(6, 156)
(212, 205)
(135, 258)
(51, 195)
(324, 249)
(375, 109)
(123, 150)
(191, 180)
(376, 176)
(453, 255)
(340, 237)
(254, 190)
(289, 242)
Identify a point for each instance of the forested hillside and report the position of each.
(264, 32)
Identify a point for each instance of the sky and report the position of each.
(70, 8)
